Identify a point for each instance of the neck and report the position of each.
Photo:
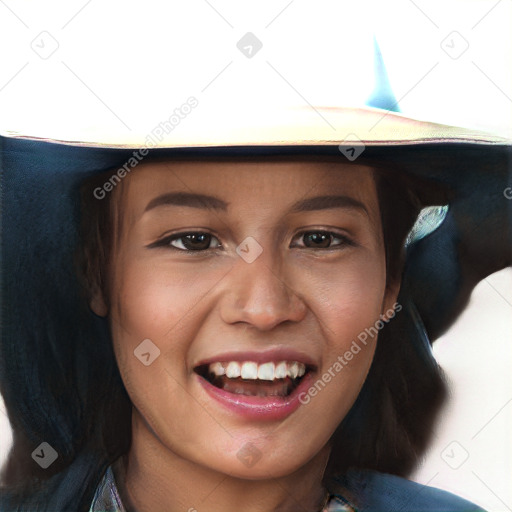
(153, 477)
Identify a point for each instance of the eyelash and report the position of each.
(166, 241)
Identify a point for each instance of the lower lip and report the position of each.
(259, 407)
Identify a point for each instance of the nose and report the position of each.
(259, 295)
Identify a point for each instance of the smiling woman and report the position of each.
(178, 280)
(240, 340)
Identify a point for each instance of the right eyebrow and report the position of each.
(187, 199)
(328, 202)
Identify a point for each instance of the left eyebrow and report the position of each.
(326, 203)
(187, 199)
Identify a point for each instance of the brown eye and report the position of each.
(194, 242)
(317, 240)
(322, 240)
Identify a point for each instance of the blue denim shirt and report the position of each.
(107, 499)
(358, 491)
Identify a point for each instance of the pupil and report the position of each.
(317, 240)
(197, 242)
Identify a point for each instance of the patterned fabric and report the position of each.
(337, 505)
(368, 491)
(107, 499)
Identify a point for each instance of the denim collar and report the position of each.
(107, 498)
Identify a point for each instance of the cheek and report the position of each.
(348, 297)
(152, 299)
(156, 301)
(347, 302)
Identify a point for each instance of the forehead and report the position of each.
(274, 182)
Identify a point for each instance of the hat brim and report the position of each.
(301, 126)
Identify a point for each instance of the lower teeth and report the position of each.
(280, 387)
(282, 390)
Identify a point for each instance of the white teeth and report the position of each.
(217, 369)
(266, 371)
(233, 370)
(249, 370)
(281, 370)
(293, 370)
(252, 371)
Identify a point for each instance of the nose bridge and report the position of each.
(259, 294)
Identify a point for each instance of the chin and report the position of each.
(251, 462)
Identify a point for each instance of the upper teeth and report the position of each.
(251, 370)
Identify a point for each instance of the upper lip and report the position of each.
(262, 356)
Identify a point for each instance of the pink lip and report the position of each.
(258, 407)
(275, 354)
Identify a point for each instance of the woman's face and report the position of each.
(267, 269)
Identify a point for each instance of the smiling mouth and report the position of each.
(278, 379)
